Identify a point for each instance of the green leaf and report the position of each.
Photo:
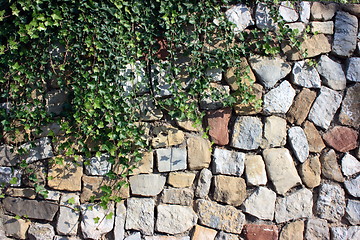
(109, 216)
(13, 180)
(96, 220)
(71, 201)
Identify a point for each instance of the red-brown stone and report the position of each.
(342, 139)
(260, 232)
(218, 122)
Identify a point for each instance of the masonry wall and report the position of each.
(288, 170)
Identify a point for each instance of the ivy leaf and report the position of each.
(109, 216)
(96, 220)
(71, 201)
(13, 180)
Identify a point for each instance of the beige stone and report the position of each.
(21, 192)
(203, 233)
(274, 132)
(145, 165)
(189, 126)
(181, 179)
(255, 170)
(180, 196)
(230, 190)
(199, 153)
(301, 106)
(292, 231)
(310, 172)
(323, 11)
(16, 227)
(244, 71)
(330, 167)
(252, 107)
(166, 136)
(316, 144)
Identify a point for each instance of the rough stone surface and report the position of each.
(279, 99)
(39, 231)
(240, 16)
(140, 215)
(171, 159)
(324, 108)
(316, 144)
(134, 236)
(120, 216)
(298, 143)
(247, 133)
(310, 172)
(181, 179)
(209, 103)
(269, 69)
(288, 12)
(226, 218)
(250, 108)
(322, 11)
(305, 76)
(350, 108)
(7, 174)
(317, 229)
(332, 73)
(342, 139)
(174, 219)
(255, 170)
(274, 132)
(7, 155)
(41, 150)
(21, 192)
(148, 110)
(147, 184)
(228, 162)
(199, 153)
(16, 228)
(322, 27)
(244, 70)
(350, 165)
(203, 183)
(263, 17)
(298, 26)
(167, 136)
(294, 206)
(353, 72)
(67, 220)
(353, 212)
(188, 125)
(261, 204)
(330, 167)
(218, 121)
(342, 233)
(292, 231)
(40, 170)
(161, 237)
(226, 236)
(229, 190)
(304, 12)
(180, 196)
(145, 165)
(330, 204)
(66, 176)
(98, 165)
(281, 170)
(299, 110)
(352, 186)
(261, 232)
(346, 29)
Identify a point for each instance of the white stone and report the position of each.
(274, 132)
(247, 133)
(255, 170)
(322, 27)
(263, 17)
(239, 15)
(134, 236)
(330, 204)
(228, 162)
(7, 174)
(288, 12)
(215, 74)
(304, 75)
(342, 233)
(350, 165)
(39, 231)
(353, 72)
(305, 11)
(298, 27)
(261, 204)
(279, 99)
(317, 229)
(67, 221)
(120, 216)
(42, 150)
(140, 215)
(135, 78)
(299, 143)
(203, 183)
(147, 184)
(98, 166)
(226, 236)
(332, 73)
(353, 212)
(171, 159)
(352, 186)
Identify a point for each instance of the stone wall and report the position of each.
(289, 170)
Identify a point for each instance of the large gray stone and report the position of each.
(120, 216)
(350, 108)
(332, 73)
(288, 11)
(255, 170)
(353, 212)
(7, 156)
(174, 219)
(247, 133)
(324, 108)
(140, 215)
(228, 162)
(330, 204)
(134, 236)
(352, 186)
(67, 220)
(305, 76)
(261, 204)
(98, 165)
(39, 231)
(343, 233)
(180, 196)
(41, 150)
(203, 183)
(239, 15)
(299, 143)
(279, 99)
(350, 165)
(9, 176)
(148, 111)
(9, 226)
(353, 72)
(317, 229)
(171, 159)
(147, 184)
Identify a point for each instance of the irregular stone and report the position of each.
(66, 176)
(292, 231)
(148, 111)
(240, 16)
(228, 162)
(218, 121)
(38, 170)
(322, 11)
(188, 126)
(174, 219)
(298, 143)
(21, 192)
(342, 233)
(350, 165)
(167, 136)
(145, 165)
(252, 107)
(345, 36)
(181, 179)
(274, 132)
(229, 190)
(98, 166)
(41, 150)
(96, 221)
(52, 129)
(7, 156)
(260, 232)
(352, 72)
(39, 231)
(330, 204)
(329, 166)
(322, 27)
(226, 236)
(140, 215)
(316, 144)
(310, 172)
(304, 12)
(281, 169)
(171, 159)
(263, 17)
(67, 220)
(288, 12)
(66, 238)
(160, 75)
(134, 78)
(247, 133)
(55, 101)
(352, 186)
(298, 27)
(324, 108)
(161, 237)
(53, 195)
(214, 74)
(147, 184)
(11, 177)
(243, 70)
(332, 73)
(261, 204)
(226, 218)
(269, 69)
(279, 99)
(255, 170)
(120, 216)
(135, 236)
(317, 229)
(341, 138)
(305, 76)
(203, 183)
(299, 110)
(16, 228)
(199, 153)
(294, 206)
(353, 212)
(350, 108)
(180, 196)
(209, 103)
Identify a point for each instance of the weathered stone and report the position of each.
(148, 110)
(145, 165)
(66, 176)
(203, 183)
(228, 162)
(298, 27)
(281, 170)
(269, 69)
(350, 165)
(53, 195)
(37, 169)
(292, 231)
(260, 232)
(294, 206)
(322, 27)
(147, 184)
(161, 237)
(135, 78)
(188, 125)
(180, 196)
(226, 218)
(7, 155)
(41, 150)
(274, 132)
(298, 143)
(304, 75)
(21, 192)
(342, 233)
(55, 100)
(67, 220)
(330, 204)
(140, 215)
(304, 12)
(171, 159)
(324, 108)
(230, 190)
(247, 133)
(315, 141)
(174, 219)
(215, 74)
(288, 12)
(341, 138)
(322, 11)
(199, 152)
(255, 170)
(353, 212)
(98, 166)
(48, 130)
(310, 172)
(160, 76)
(332, 73)
(16, 228)
(66, 238)
(350, 108)
(11, 177)
(218, 121)
(263, 17)
(167, 136)
(251, 108)
(345, 36)
(329, 166)
(134, 236)
(240, 16)
(181, 179)
(301, 106)
(209, 103)
(244, 70)
(317, 229)
(352, 72)
(261, 204)
(279, 99)
(120, 216)
(39, 231)
(91, 228)
(226, 236)
(352, 186)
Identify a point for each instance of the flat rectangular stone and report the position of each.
(171, 159)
